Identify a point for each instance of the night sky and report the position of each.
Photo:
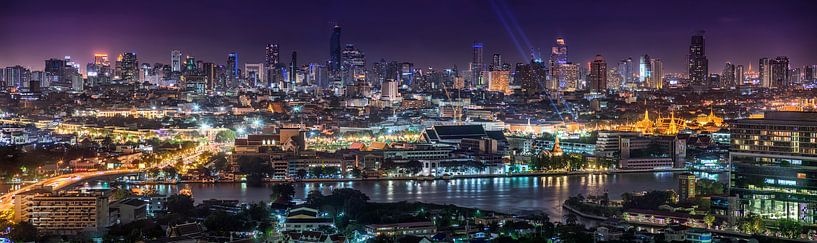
(429, 33)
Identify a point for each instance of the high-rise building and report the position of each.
(499, 80)
(496, 62)
(176, 61)
(810, 73)
(16, 76)
(254, 74)
(686, 186)
(293, 71)
(657, 74)
(728, 76)
(740, 75)
(568, 77)
(389, 90)
(127, 67)
(233, 75)
(626, 70)
(335, 52)
(773, 161)
(208, 70)
(477, 65)
(558, 53)
(531, 77)
(645, 71)
(271, 55)
(780, 72)
(190, 66)
(353, 64)
(765, 73)
(598, 74)
(698, 63)
(406, 73)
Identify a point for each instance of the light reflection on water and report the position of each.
(504, 194)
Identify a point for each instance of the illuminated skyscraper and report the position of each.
(293, 71)
(698, 63)
(335, 52)
(176, 61)
(625, 69)
(780, 72)
(190, 67)
(477, 65)
(657, 73)
(353, 64)
(728, 75)
(531, 77)
(598, 74)
(232, 72)
(271, 56)
(16, 76)
(127, 67)
(645, 71)
(765, 73)
(558, 54)
(740, 75)
(496, 62)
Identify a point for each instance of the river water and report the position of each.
(506, 194)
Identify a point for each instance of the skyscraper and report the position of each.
(176, 61)
(698, 63)
(293, 71)
(496, 62)
(127, 67)
(657, 73)
(728, 75)
(773, 173)
(598, 74)
(335, 52)
(625, 69)
(740, 75)
(232, 70)
(765, 73)
(531, 77)
(271, 57)
(477, 65)
(645, 71)
(780, 72)
(558, 54)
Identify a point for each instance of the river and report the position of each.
(502, 194)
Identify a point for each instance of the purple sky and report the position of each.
(428, 33)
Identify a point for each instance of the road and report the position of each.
(60, 182)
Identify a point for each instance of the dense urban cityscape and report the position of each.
(526, 142)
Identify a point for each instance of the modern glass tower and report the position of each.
(775, 166)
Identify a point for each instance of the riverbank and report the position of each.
(308, 180)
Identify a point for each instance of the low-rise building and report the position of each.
(425, 228)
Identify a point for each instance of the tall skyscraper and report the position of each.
(16, 76)
(293, 70)
(657, 74)
(477, 65)
(127, 67)
(232, 70)
(335, 52)
(773, 162)
(209, 71)
(496, 62)
(176, 61)
(780, 72)
(765, 72)
(645, 71)
(598, 74)
(271, 55)
(728, 75)
(558, 54)
(810, 73)
(698, 63)
(740, 75)
(625, 69)
(353, 64)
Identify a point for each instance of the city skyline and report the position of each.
(510, 29)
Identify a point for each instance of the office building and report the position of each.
(657, 74)
(499, 80)
(477, 65)
(728, 77)
(765, 73)
(740, 75)
(645, 71)
(598, 74)
(774, 161)
(271, 55)
(779, 72)
(176, 61)
(698, 65)
(233, 74)
(127, 67)
(531, 77)
(389, 91)
(254, 73)
(335, 53)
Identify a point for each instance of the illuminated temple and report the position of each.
(671, 125)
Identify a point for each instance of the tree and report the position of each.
(709, 220)
(316, 171)
(752, 224)
(181, 204)
(223, 222)
(789, 228)
(282, 193)
(23, 232)
(225, 136)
